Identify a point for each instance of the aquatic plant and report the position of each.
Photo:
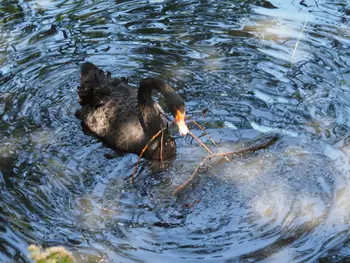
(50, 255)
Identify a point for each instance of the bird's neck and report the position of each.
(151, 118)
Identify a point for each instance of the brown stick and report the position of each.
(141, 154)
(200, 142)
(204, 146)
(161, 146)
(205, 132)
(106, 209)
(233, 153)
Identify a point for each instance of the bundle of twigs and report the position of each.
(244, 150)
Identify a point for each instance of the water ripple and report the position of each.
(60, 186)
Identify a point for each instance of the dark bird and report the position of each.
(126, 118)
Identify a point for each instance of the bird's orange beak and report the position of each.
(180, 121)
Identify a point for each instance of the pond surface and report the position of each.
(61, 186)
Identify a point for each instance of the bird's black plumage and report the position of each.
(124, 117)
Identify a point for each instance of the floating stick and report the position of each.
(247, 149)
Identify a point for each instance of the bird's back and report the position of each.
(110, 109)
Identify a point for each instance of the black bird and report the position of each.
(125, 118)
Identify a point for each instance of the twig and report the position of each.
(302, 30)
(106, 209)
(204, 146)
(179, 188)
(192, 204)
(161, 146)
(205, 132)
(296, 45)
(247, 149)
(141, 154)
(200, 142)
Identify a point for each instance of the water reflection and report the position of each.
(286, 204)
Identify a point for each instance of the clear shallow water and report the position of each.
(287, 204)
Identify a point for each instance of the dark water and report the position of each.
(286, 204)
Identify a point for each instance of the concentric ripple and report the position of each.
(258, 67)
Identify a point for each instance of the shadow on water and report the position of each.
(285, 204)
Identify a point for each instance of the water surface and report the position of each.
(61, 186)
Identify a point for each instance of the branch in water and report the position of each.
(244, 150)
(204, 131)
(141, 154)
(204, 146)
